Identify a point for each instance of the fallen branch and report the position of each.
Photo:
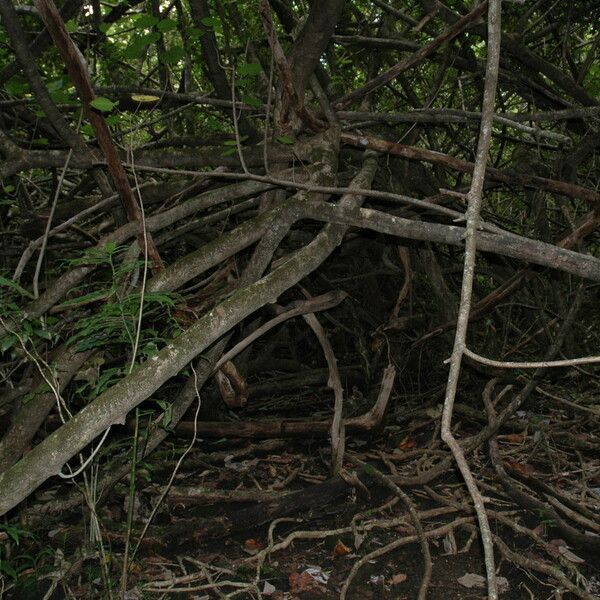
(294, 428)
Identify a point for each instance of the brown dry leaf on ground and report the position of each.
(341, 549)
(252, 546)
(407, 443)
(305, 583)
(522, 468)
(399, 578)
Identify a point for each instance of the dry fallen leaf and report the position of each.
(399, 578)
(305, 583)
(553, 547)
(470, 580)
(522, 468)
(269, 589)
(513, 438)
(503, 585)
(377, 343)
(341, 549)
(252, 546)
(559, 548)
(299, 581)
(407, 443)
(539, 529)
(449, 543)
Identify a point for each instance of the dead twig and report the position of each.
(387, 482)
(475, 196)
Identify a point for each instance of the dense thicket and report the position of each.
(177, 174)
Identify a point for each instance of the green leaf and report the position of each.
(16, 86)
(145, 20)
(167, 409)
(194, 33)
(71, 26)
(85, 299)
(284, 139)
(150, 349)
(15, 286)
(106, 379)
(138, 44)
(210, 22)
(103, 104)
(135, 50)
(251, 101)
(7, 342)
(8, 570)
(57, 84)
(174, 54)
(166, 25)
(149, 38)
(243, 138)
(168, 418)
(46, 335)
(249, 69)
(60, 96)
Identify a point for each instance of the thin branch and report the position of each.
(542, 364)
(405, 498)
(474, 197)
(316, 304)
(415, 59)
(38, 266)
(338, 441)
(79, 75)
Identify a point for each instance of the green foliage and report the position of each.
(144, 21)
(12, 566)
(30, 331)
(17, 86)
(71, 26)
(249, 69)
(592, 80)
(106, 379)
(284, 139)
(251, 100)
(166, 25)
(97, 256)
(139, 43)
(115, 321)
(210, 22)
(195, 33)
(9, 283)
(231, 146)
(167, 409)
(14, 532)
(174, 54)
(102, 104)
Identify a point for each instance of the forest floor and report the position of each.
(262, 519)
